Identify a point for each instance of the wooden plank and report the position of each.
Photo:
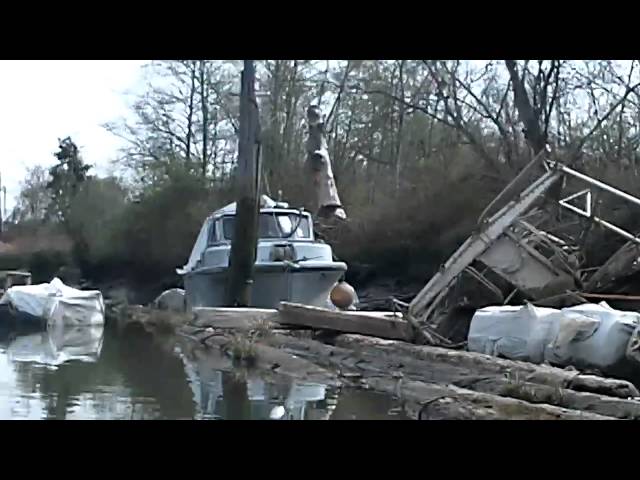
(376, 314)
(347, 322)
(233, 318)
(611, 296)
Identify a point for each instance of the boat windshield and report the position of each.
(274, 225)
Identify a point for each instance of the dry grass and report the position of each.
(242, 348)
(28, 239)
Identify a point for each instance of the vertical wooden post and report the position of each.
(3, 207)
(245, 236)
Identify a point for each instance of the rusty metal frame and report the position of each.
(484, 281)
(587, 211)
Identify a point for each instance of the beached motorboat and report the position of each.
(291, 265)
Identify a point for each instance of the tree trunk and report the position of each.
(245, 235)
(205, 117)
(192, 93)
(319, 166)
(399, 143)
(2, 206)
(532, 131)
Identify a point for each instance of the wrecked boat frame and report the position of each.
(534, 263)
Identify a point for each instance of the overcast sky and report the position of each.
(41, 101)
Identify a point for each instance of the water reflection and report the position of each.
(57, 345)
(238, 394)
(90, 373)
(241, 395)
(226, 395)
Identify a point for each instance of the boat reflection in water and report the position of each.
(57, 344)
(221, 394)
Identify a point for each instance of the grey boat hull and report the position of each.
(272, 284)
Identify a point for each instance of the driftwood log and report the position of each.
(438, 382)
(440, 402)
(365, 362)
(510, 386)
(486, 365)
(356, 356)
(300, 358)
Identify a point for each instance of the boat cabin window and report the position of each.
(213, 237)
(274, 225)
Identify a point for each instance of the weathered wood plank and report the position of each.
(233, 318)
(347, 322)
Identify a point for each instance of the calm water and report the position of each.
(90, 373)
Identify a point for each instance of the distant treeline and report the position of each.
(418, 148)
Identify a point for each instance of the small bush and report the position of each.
(94, 217)
(39, 248)
(157, 232)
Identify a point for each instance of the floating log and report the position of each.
(485, 365)
(436, 401)
(379, 363)
(537, 393)
(364, 362)
(440, 402)
(376, 324)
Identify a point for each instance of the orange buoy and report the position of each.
(343, 295)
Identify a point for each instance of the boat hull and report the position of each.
(272, 284)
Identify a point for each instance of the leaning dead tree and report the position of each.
(319, 165)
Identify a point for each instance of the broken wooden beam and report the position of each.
(376, 324)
